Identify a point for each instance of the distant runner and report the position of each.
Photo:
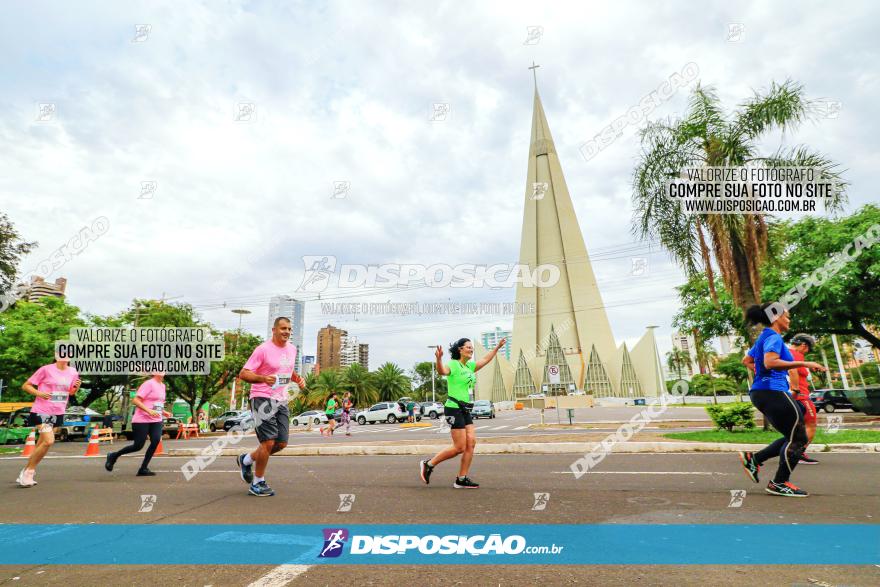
(52, 385)
(460, 378)
(269, 370)
(145, 423)
(330, 413)
(347, 404)
(801, 344)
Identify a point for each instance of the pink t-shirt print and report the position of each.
(57, 382)
(271, 359)
(152, 393)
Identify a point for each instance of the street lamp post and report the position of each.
(241, 312)
(433, 390)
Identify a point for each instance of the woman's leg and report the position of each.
(155, 432)
(140, 430)
(44, 443)
(785, 416)
(459, 445)
(468, 455)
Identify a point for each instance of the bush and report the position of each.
(730, 416)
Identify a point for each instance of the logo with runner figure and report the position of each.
(334, 540)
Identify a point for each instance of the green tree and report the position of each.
(12, 249)
(847, 303)
(359, 382)
(421, 378)
(706, 136)
(732, 368)
(391, 383)
(678, 360)
(699, 313)
(327, 381)
(28, 332)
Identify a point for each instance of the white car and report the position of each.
(315, 417)
(390, 412)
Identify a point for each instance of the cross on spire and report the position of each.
(534, 73)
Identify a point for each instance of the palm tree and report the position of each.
(360, 383)
(734, 243)
(706, 356)
(677, 360)
(391, 383)
(327, 381)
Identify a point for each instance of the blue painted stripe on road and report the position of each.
(168, 544)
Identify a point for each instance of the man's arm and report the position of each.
(251, 377)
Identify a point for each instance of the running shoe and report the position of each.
(748, 462)
(26, 478)
(111, 461)
(261, 489)
(145, 473)
(465, 483)
(425, 470)
(247, 471)
(805, 460)
(785, 489)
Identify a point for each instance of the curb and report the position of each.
(522, 448)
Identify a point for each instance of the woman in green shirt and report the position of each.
(460, 377)
(330, 412)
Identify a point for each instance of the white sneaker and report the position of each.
(26, 479)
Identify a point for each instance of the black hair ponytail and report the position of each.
(758, 314)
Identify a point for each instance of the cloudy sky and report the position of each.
(345, 92)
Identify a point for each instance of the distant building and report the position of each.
(291, 308)
(493, 337)
(330, 341)
(364, 355)
(308, 364)
(40, 288)
(685, 342)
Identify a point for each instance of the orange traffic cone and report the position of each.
(92, 449)
(159, 450)
(29, 444)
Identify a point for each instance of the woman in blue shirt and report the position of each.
(771, 360)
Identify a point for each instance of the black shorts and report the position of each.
(37, 420)
(330, 417)
(457, 418)
(271, 419)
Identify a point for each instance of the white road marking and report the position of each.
(645, 473)
(499, 427)
(280, 575)
(520, 427)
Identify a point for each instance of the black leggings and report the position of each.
(141, 431)
(783, 414)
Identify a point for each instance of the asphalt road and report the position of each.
(625, 489)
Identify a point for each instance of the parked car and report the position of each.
(316, 417)
(13, 426)
(75, 425)
(577, 392)
(830, 400)
(431, 409)
(390, 412)
(244, 419)
(483, 408)
(220, 421)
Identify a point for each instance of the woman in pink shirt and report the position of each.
(147, 422)
(52, 386)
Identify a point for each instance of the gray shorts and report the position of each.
(271, 419)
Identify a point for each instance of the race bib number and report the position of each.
(159, 407)
(281, 381)
(58, 396)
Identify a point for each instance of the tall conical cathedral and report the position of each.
(569, 332)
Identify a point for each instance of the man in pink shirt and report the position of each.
(52, 386)
(269, 370)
